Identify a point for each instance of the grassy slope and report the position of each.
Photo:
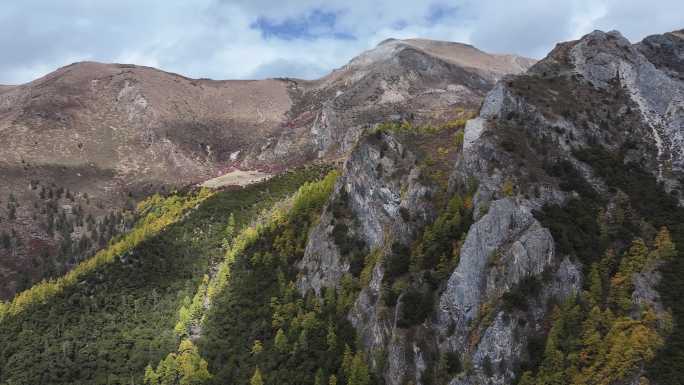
(118, 318)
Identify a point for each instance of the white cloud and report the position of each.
(216, 38)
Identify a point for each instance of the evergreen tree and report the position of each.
(595, 285)
(193, 367)
(527, 379)
(280, 341)
(591, 337)
(257, 347)
(186, 367)
(229, 232)
(636, 258)
(230, 228)
(664, 247)
(256, 378)
(303, 341)
(553, 367)
(151, 377)
(331, 338)
(487, 367)
(319, 378)
(181, 328)
(621, 285)
(358, 372)
(347, 358)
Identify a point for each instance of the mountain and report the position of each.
(568, 178)
(87, 142)
(418, 79)
(533, 237)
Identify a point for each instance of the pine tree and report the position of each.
(303, 341)
(281, 341)
(331, 338)
(591, 337)
(181, 328)
(443, 266)
(527, 379)
(620, 289)
(229, 232)
(193, 368)
(151, 377)
(664, 247)
(332, 380)
(595, 285)
(552, 369)
(487, 367)
(347, 358)
(358, 373)
(167, 371)
(257, 347)
(256, 378)
(318, 380)
(607, 264)
(636, 258)
(442, 369)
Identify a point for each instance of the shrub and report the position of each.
(507, 189)
(487, 366)
(397, 262)
(516, 298)
(415, 308)
(453, 363)
(440, 238)
(575, 229)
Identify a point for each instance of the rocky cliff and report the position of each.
(536, 151)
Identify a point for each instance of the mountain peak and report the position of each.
(460, 54)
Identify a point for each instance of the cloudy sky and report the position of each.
(225, 39)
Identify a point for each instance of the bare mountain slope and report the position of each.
(88, 140)
(418, 80)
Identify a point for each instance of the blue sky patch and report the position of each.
(439, 13)
(400, 24)
(316, 24)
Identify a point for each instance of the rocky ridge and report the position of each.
(598, 91)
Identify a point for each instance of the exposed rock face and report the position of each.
(392, 203)
(594, 67)
(506, 246)
(381, 178)
(508, 230)
(529, 250)
(602, 57)
(597, 90)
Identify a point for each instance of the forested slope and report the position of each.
(116, 316)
